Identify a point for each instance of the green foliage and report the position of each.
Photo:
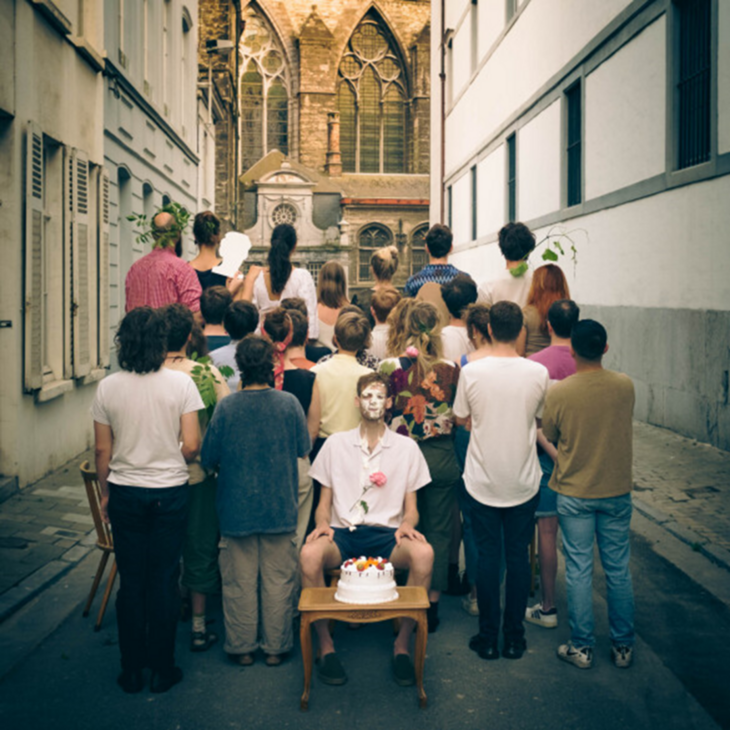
(147, 231)
(205, 381)
(364, 506)
(554, 248)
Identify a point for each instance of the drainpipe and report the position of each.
(442, 77)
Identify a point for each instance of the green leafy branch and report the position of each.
(162, 237)
(554, 248)
(205, 381)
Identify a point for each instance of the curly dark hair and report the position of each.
(141, 341)
(255, 360)
(516, 241)
(458, 294)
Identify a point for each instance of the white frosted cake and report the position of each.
(366, 580)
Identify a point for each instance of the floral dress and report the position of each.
(421, 410)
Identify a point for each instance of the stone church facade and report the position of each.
(332, 129)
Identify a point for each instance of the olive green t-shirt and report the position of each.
(589, 416)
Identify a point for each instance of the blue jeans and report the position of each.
(494, 527)
(149, 530)
(606, 520)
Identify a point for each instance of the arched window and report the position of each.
(371, 100)
(264, 91)
(419, 254)
(371, 237)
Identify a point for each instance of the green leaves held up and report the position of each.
(205, 381)
(162, 239)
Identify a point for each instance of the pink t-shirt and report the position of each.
(557, 359)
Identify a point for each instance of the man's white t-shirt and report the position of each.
(345, 464)
(503, 396)
(506, 288)
(144, 413)
(456, 343)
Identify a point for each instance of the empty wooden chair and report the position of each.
(103, 541)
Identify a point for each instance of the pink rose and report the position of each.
(378, 479)
(412, 351)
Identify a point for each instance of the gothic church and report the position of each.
(332, 128)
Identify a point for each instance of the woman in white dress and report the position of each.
(267, 286)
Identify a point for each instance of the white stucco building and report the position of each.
(151, 123)
(54, 230)
(609, 119)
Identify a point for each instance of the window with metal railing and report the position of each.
(693, 26)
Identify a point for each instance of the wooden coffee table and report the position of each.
(320, 603)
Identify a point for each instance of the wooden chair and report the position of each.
(104, 542)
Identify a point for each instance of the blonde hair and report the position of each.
(415, 323)
(332, 285)
(385, 263)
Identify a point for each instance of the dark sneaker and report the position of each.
(330, 671)
(622, 656)
(131, 681)
(403, 672)
(514, 648)
(163, 681)
(486, 649)
(578, 656)
(202, 640)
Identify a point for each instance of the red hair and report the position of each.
(548, 286)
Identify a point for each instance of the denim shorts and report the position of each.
(548, 506)
(372, 542)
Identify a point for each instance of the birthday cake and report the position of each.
(366, 580)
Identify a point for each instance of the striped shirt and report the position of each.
(440, 273)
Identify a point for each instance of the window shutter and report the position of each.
(81, 268)
(103, 271)
(34, 225)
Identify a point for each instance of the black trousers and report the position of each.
(517, 525)
(149, 530)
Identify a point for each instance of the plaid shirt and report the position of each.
(161, 278)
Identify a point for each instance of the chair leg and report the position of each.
(95, 584)
(107, 594)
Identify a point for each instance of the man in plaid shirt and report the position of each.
(162, 277)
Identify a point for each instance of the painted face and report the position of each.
(372, 402)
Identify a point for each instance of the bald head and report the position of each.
(165, 230)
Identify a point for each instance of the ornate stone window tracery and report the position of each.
(263, 91)
(371, 238)
(419, 254)
(371, 100)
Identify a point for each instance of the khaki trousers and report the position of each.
(258, 574)
(306, 498)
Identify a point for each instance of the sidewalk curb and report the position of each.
(14, 599)
(714, 553)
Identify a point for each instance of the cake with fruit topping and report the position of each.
(366, 580)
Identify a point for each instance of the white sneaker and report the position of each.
(578, 656)
(622, 656)
(470, 605)
(546, 619)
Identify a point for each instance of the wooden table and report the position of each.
(320, 603)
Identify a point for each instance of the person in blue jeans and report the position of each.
(589, 417)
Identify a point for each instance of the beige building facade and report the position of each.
(54, 216)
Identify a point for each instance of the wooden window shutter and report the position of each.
(103, 270)
(82, 264)
(34, 225)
